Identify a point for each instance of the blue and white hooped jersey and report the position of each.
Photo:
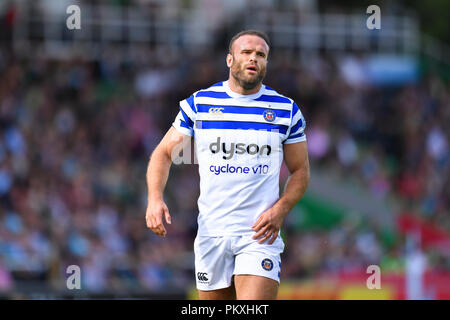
(239, 146)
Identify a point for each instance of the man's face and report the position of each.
(248, 60)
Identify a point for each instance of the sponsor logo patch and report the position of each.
(229, 150)
(216, 111)
(202, 277)
(267, 264)
(269, 115)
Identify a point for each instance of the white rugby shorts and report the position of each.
(217, 259)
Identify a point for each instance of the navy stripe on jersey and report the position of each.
(277, 99)
(295, 109)
(207, 124)
(191, 103)
(296, 135)
(244, 110)
(213, 94)
(186, 118)
(184, 125)
(297, 125)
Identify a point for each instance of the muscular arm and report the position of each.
(157, 174)
(296, 159)
(269, 223)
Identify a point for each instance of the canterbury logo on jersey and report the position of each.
(239, 148)
(215, 111)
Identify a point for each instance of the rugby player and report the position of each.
(242, 131)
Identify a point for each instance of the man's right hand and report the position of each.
(154, 216)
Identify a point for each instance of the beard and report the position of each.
(245, 81)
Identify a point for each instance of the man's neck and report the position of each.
(237, 88)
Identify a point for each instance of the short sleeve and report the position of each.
(296, 132)
(185, 119)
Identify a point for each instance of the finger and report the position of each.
(149, 222)
(261, 232)
(262, 222)
(159, 224)
(161, 230)
(153, 222)
(267, 236)
(154, 226)
(257, 221)
(167, 216)
(158, 219)
(274, 237)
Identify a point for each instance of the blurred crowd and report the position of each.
(76, 136)
(391, 139)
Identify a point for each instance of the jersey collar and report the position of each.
(242, 96)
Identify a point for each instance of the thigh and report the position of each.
(251, 287)
(257, 268)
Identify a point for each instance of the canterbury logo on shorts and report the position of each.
(202, 276)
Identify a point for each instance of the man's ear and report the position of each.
(229, 60)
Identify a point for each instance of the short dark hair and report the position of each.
(252, 32)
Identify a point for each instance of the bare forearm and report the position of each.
(269, 222)
(295, 188)
(157, 173)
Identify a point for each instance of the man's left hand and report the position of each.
(268, 225)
